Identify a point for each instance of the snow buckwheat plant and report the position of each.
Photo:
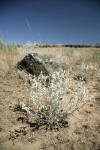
(46, 99)
(46, 102)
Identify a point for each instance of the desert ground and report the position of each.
(83, 130)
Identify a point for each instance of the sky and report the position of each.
(50, 21)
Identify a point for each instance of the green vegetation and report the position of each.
(90, 56)
(69, 52)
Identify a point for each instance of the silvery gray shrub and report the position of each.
(46, 102)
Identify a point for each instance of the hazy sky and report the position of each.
(50, 21)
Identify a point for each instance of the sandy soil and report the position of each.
(82, 133)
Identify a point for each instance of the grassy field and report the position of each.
(83, 130)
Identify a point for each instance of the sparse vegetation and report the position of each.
(69, 104)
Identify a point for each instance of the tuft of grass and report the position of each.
(9, 51)
(7, 48)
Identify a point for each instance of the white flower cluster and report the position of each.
(87, 67)
(63, 59)
(38, 90)
(41, 95)
(57, 88)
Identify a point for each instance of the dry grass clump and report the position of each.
(8, 53)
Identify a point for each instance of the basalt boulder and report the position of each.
(35, 63)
